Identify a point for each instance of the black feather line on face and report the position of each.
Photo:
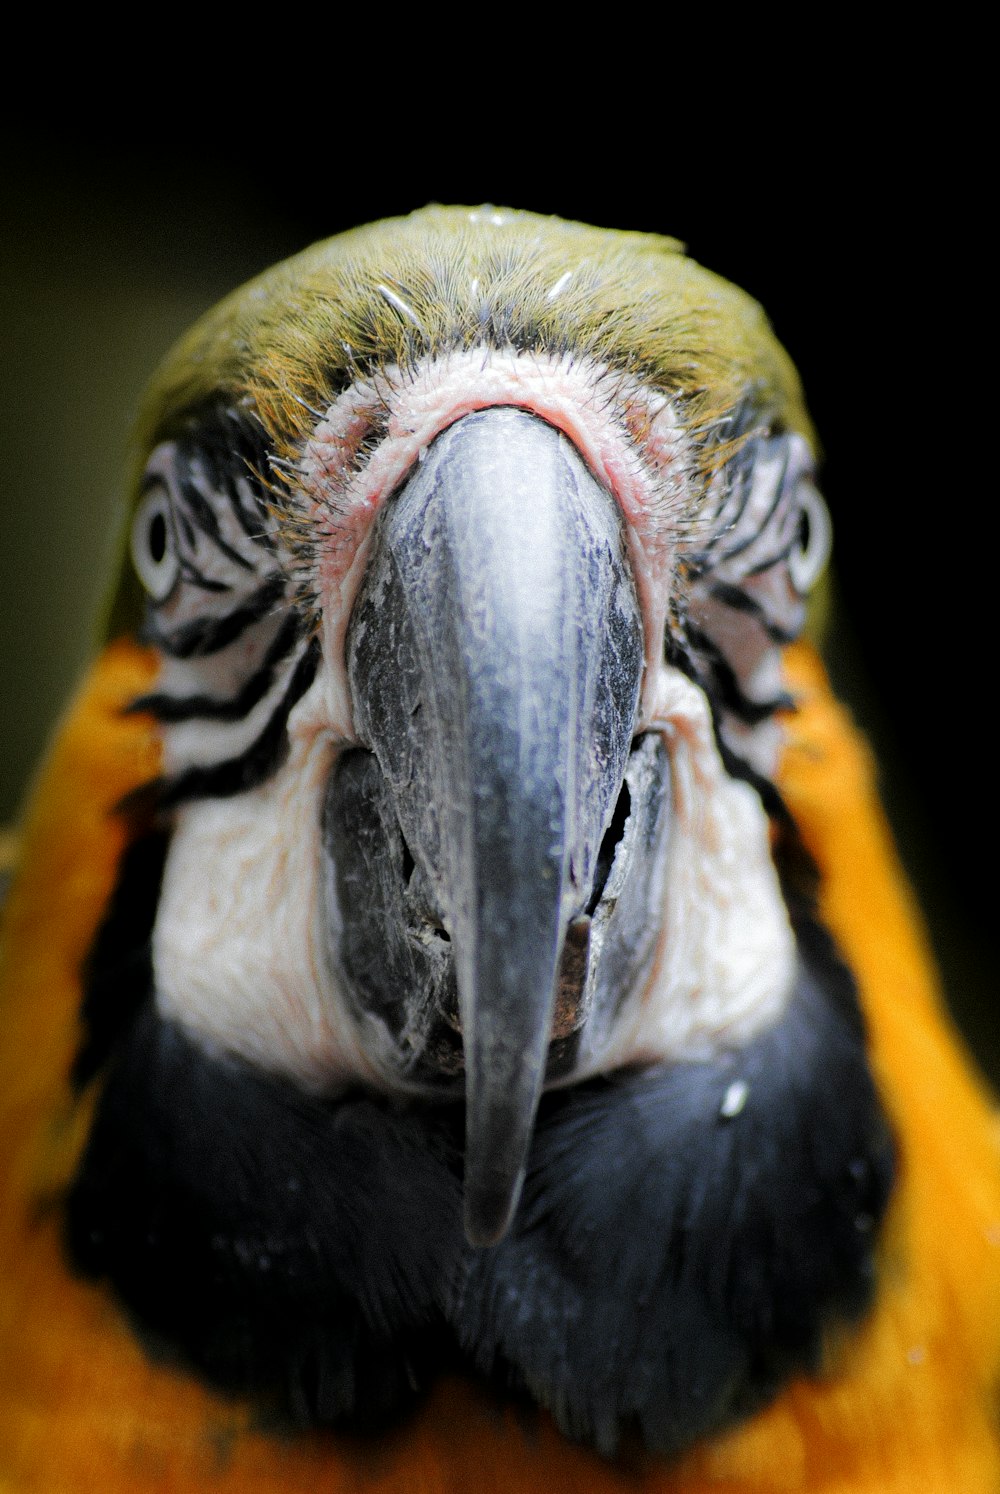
(742, 601)
(253, 767)
(211, 708)
(209, 635)
(686, 1233)
(232, 451)
(724, 688)
(676, 653)
(201, 509)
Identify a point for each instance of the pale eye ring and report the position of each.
(810, 554)
(154, 553)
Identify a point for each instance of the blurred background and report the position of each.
(866, 266)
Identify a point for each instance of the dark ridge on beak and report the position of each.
(495, 659)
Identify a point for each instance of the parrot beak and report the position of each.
(495, 658)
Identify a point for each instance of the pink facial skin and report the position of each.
(629, 438)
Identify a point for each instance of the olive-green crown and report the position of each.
(395, 292)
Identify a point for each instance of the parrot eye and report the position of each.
(811, 550)
(153, 552)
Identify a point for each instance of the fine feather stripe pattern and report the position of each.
(250, 768)
(234, 455)
(209, 635)
(780, 557)
(197, 578)
(230, 677)
(678, 655)
(204, 512)
(742, 603)
(185, 708)
(724, 686)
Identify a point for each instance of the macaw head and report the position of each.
(456, 1001)
(469, 542)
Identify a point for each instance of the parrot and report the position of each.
(464, 1023)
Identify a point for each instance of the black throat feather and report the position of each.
(686, 1236)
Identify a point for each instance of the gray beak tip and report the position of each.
(489, 1208)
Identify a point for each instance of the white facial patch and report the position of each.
(726, 958)
(244, 952)
(242, 947)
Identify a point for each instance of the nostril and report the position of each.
(609, 845)
(409, 865)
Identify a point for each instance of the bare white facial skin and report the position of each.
(242, 941)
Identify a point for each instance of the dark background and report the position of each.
(868, 257)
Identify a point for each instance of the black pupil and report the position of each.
(157, 538)
(805, 532)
